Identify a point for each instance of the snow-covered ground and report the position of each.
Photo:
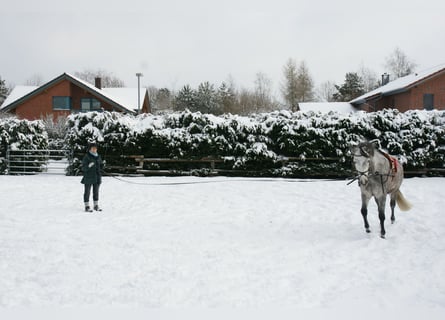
(223, 242)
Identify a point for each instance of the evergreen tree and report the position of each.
(185, 99)
(226, 98)
(206, 99)
(352, 88)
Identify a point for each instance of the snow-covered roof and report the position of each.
(102, 92)
(325, 107)
(127, 97)
(124, 98)
(17, 93)
(401, 84)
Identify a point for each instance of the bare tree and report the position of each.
(35, 80)
(305, 85)
(289, 85)
(160, 99)
(398, 64)
(326, 91)
(369, 78)
(246, 102)
(107, 78)
(264, 101)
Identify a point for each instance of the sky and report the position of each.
(175, 42)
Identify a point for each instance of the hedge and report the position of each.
(259, 144)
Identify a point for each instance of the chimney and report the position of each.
(385, 79)
(98, 82)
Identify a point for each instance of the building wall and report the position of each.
(41, 105)
(78, 93)
(413, 98)
(435, 86)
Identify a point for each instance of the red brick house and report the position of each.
(68, 94)
(423, 90)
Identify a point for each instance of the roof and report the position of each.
(17, 93)
(127, 96)
(401, 84)
(325, 107)
(117, 97)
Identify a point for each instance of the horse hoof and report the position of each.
(382, 236)
(368, 231)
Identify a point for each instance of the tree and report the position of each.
(226, 98)
(246, 102)
(35, 80)
(108, 80)
(185, 99)
(289, 85)
(369, 78)
(326, 91)
(398, 64)
(4, 91)
(305, 85)
(160, 99)
(350, 89)
(206, 98)
(263, 100)
(164, 99)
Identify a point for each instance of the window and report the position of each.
(428, 101)
(89, 104)
(61, 103)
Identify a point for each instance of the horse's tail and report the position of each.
(403, 204)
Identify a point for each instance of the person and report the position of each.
(92, 176)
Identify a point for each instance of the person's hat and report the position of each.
(92, 144)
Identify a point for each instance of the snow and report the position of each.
(127, 97)
(326, 107)
(221, 242)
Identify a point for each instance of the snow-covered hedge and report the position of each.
(263, 142)
(20, 135)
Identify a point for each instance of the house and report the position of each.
(68, 94)
(326, 107)
(421, 90)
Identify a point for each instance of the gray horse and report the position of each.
(378, 175)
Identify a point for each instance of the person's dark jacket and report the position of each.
(92, 169)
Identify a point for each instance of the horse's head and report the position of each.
(362, 154)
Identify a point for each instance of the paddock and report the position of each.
(217, 242)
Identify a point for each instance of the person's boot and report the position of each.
(87, 207)
(96, 206)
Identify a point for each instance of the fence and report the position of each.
(23, 162)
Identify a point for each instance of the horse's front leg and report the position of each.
(381, 201)
(364, 211)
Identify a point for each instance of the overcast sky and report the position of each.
(175, 42)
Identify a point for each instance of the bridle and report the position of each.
(360, 173)
(367, 172)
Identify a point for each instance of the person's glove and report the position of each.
(91, 164)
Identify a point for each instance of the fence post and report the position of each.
(8, 169)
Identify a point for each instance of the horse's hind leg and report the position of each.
(393, 205)
(364, 211)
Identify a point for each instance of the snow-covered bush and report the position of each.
(20, 135)
(263, 142)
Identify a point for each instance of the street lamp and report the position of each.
(139, 75)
